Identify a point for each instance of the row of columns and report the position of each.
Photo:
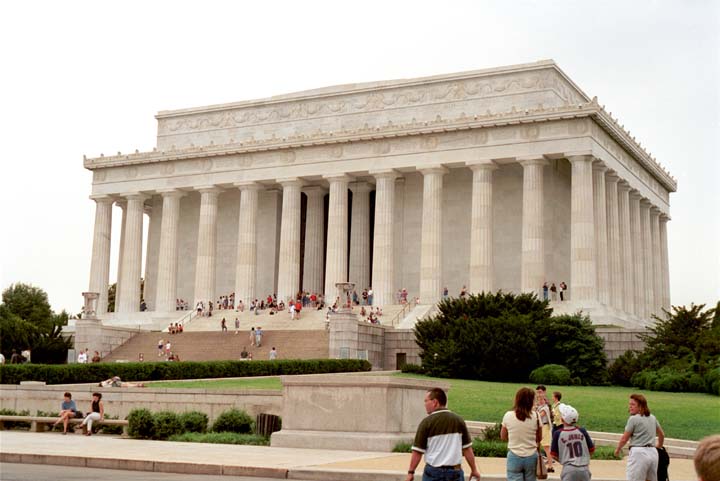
(618, 245)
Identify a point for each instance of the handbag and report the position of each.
(541, 471)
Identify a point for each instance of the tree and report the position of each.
(28, 322)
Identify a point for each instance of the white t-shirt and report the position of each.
(82, 358)
(521, 434)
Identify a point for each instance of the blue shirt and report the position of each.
(68, 405)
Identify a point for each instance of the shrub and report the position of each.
(222, 438)
(167, 423)
(551, 374)
(15, 424)
(194, 422)
(141, 424)
(153, 371)
(492, 433)
(489, 449)
(412, 369)
(234, 421)
(402, 447)
(712, 381)
(623, 368)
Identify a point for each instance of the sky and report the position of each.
(87, 77)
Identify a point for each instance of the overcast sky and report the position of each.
(87, 77)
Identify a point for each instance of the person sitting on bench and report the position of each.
(97, 413)
(68, 410)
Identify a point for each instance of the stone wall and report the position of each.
(95, 336)
(400, 341)
(617, 340)
(120, 401)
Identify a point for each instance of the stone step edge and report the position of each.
(301, 473)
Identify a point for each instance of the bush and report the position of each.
(167, 423)
(551, 374)
(15, 424)
(492, 433)
(402, 447)
(624, 368)
(194, 422)
(234, 421)
(154, 371)
(712, 381)
(141, 424)
(412, 369)
(111, 429)
(222, 438)
(489, 449)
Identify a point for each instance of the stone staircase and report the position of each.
(213, 346)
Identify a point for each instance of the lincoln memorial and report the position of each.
(505, 178)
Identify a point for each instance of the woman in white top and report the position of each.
(640, 430)
(520, 428)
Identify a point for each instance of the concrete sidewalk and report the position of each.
(220, 459)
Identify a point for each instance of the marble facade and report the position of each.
(494, 179)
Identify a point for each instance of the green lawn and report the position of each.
(224, 384)
(682, 415)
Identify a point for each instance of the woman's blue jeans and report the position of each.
(521, 468)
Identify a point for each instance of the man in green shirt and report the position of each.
(444, 440)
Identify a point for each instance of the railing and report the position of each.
(407, 307)
(186, 318)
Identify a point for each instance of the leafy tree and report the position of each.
(28, 322)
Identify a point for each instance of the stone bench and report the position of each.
(39, 424)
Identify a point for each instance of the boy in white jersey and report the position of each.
(572, 446)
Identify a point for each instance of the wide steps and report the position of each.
(215, 346)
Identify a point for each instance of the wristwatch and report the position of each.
(411, 472)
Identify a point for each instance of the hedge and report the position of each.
(155, 371)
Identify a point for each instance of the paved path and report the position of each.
(194, 458)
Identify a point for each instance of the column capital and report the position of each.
(102, 198)
(665, 217)
(248, 185)
(528, 160)
(290, 182)
(122, 203)
(134, 196)
(314, 190)
(338, 178)
(635, 195)
(361, 186)
(579, 156)
(385, 174)
(645, 203)
(654, 210)
(171, 193)
(481, 165)
(599, 166)
(208, 189)
(611, 177)
(433, 169)
(624, 186)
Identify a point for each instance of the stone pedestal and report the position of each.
(328, 411)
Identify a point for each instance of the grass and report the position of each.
(682, 415)
(224, 384)
(222, 438)
(601, 408)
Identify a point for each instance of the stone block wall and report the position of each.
(400, 341)
(618, 340)
(95, 336)
(371, 338)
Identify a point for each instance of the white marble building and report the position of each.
(496, 179)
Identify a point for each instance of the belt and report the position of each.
(457, 466)
(643, 446)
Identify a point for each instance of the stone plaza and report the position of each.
(505, 178)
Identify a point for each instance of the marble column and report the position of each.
(100, 263)
(582, 231)
(123, 220)
(246, 259)
(532, 263)
(314, 240)
(132, 254)
(360, 235)
(482, 275)
(336, 264)
(665, 267)
(601, 237)
(431, 235)
(626, 252)
(383, 269)
(637, 265)
(656, 260)
(166, 295)
(289, 257)
(207, 245)
(615, 264)
(647, 257)
(153, 211)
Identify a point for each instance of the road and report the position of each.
(41, 472)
